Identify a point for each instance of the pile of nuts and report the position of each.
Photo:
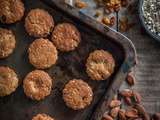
(134, 110)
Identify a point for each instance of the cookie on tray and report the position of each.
(42, 117)
(66, 37)
(11, 11)
(100, 65)
(39, 23)
(7, 42)
(37, 85)
(42, 53)
(8, 81)
(77, 94)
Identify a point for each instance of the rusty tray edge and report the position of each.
(130, 51)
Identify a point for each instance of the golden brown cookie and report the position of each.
(77, 94)
(8, 81)
(100, 65)
(42, 117)
(7, 42)
(11, 11)
(42, 53)
(66, 37)
(37, 85)
(39, 23)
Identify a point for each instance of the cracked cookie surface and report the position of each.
(100, 65)
(39, 23)
(42, 117)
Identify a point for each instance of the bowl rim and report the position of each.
(153, 35)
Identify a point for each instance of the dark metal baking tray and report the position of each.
(69, 65)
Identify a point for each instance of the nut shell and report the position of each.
(77, 94)
(100, 65)
(42, 117)
(39, 23)
(7, 42)
(42, 53)
(8, 81)
(66, 37)
(11, 11)
(37, 85)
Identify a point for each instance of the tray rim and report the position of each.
(130, 59)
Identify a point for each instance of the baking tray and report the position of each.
(69, 65)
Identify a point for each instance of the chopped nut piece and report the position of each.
(132, 113)
(80, 4)
(123, 26)
(114, 112)
(106, 21)
(115, 103)
(130, 79)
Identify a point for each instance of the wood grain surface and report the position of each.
(147, 71)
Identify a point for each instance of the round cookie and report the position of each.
(11, 11)
(77, 94)
(37, 85)
(66, 37)
(7, 42)
(42, 53)
(8, 81)
(39, 23)
(42, 117)
(100, 65)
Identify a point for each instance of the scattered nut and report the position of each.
(137, 97)
(130, 79)
(97, 14)
(156, 116)
(80, 4)
(122, 115)
(112, 21)
(126, 93)
(115, 103)
(114, 112)
(106, 116)
(132, 113)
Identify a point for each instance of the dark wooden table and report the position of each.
(147, 71)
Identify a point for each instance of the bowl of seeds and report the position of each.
(149, 12)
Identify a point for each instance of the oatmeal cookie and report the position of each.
(42, 117)
(39, 23)
(11, 11)
(66, 37)
(77, 94)
(42, 53)
(37, 85)
(8, 81)
(100, 65)
(7, 42)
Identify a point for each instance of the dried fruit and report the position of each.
(122, 115)
(128, 100)
(156, 116)
(80, 4)
(137, 97)
(106, 21)
(114, 112)
(115, 103)
(106, 116)
(126, 93)
(130, 79)
(132, 113)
